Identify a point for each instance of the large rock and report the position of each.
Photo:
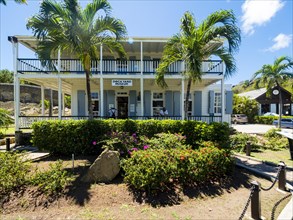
(105, 168)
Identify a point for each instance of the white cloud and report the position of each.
(281, 41)
(258, 12)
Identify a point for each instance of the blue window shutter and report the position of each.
(229, 102)
(105, 104)
(197, 104)
(177, 103)
(147, 103)
(111, 98)
(211, 102)
(132, 101)
(169, 102)
(81, 103)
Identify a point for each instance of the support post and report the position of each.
(59, 98)
(59, 87)
(63, 103)
(255, 201)
(7, 144)
(182, 99)
(141, 81)
(101, 96)
(43, 99)
(248, 148)
(222, 99)
(282, 177)
(14, 42)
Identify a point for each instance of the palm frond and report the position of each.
(91, 9)
(112, 26)
(228, 59)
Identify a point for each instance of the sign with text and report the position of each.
(121, 82)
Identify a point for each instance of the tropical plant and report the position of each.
(6, 76)
(5, 118)
(244, 105)
(274, 75)
(196, 43)
(17, 1)
(65, 26)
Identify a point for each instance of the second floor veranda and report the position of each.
(110, 66)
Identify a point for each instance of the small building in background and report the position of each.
(270, 102)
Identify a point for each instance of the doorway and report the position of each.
(122, 106)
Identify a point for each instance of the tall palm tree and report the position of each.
(196, 43)
(274, 75)
(68, 27)
(17, 1)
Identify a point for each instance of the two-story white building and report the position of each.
(126, 85)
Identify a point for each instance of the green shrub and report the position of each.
(157, 169)
(5, 118)
(166, 141)
(52, 181)
(239, 141)
(274, 140)
(13, 171)
(268, 120)
(77, 136)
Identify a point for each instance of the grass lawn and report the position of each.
(273, 156)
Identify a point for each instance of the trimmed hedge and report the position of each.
(77, 136)
(267, 120)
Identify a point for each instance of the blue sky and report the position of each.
(266, 25)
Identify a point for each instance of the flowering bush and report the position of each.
(157, 169)
(122, 142)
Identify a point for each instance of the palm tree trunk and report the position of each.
(186, 106)
(280, 105)
(87, 65)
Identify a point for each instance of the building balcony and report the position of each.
(110, 66)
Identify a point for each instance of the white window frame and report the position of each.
(156, 110)
(218, 103)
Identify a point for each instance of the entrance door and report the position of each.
(122, 105)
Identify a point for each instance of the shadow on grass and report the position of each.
(173, 196)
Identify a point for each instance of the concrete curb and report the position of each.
(263, 161)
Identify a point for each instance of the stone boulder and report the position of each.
(105, 168)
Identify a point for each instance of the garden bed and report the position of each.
(224, 199)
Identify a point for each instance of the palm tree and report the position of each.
(17, 1)
(68, 27)
(274, 75)
(196, 43)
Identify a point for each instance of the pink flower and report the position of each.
(94, 143)
(145, 147)
(134, 149)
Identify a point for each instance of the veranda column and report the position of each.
(222, 99)
(59, 88)
(63, 104)
(59, 98)
(182, 99)
(141, 81)
(101, 96)
(16, 82)
(42, 99)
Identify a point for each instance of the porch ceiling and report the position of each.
(69, 83)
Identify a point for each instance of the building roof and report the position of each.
(254, 93)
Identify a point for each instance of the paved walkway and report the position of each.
(257, 128)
